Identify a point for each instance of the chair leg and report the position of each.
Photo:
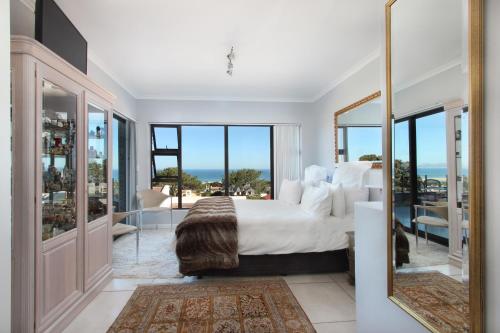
(416, 235)
(171, 220)
(426, 239)
(137, 245)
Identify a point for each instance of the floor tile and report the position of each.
(100, 313)
(339, 277)
(125, 284)
(338, 327)
(309, 278)
(324, 302)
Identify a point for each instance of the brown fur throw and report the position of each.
(207, 238)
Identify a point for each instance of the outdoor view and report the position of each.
(431, 176)
(201, 156)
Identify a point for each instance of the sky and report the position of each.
(203, 147)
(431, 141)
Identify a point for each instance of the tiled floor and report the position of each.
(327, 299)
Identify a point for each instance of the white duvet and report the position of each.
(276, 227)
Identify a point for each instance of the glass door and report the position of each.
(59, 160)
(120, 158)
(97, 161)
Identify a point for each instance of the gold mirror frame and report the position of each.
(476, 192)
(347, 109)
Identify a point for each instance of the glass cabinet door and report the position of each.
(59, 160)
(97, 162)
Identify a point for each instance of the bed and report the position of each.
(277, 238)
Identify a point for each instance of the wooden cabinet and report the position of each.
(61, 203)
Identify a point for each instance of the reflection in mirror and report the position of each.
(358, 131)
(429, 76)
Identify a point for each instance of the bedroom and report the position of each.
(243, 140)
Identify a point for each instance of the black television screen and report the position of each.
(54, 30)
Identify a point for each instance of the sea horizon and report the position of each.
(212, 175)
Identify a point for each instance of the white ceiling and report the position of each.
(175, 49)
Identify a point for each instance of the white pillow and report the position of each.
(290, 191)
(314, 174)
(354, 194)
(317, 200)
(338, 199)
(351, 173)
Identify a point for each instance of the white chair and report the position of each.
(150, 201)
(440, 209)
(119, 229)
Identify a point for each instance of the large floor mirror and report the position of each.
(434, 140)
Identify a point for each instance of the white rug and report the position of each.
(157, 259)
(431, 254)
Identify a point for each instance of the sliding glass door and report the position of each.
(420, 168)
(120, 183)
(212, 160)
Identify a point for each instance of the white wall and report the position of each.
(437, 90)
(125, 103)
(161, 111)
(492, 164)
(23, 23)
(361, 84)
(5, 168)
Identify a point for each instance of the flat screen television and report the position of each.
(54, 30)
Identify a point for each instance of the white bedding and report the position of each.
(275, 227)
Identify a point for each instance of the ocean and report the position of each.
(436, 172)
(211, 175)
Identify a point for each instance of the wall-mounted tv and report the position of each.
(54, 30)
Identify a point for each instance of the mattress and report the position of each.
(275, 227)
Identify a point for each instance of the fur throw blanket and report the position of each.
(207, 238)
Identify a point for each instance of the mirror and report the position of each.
(358, 130)
(434, 72)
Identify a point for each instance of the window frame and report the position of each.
(178, 153)
(345, 140)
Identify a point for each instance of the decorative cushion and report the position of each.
(317, 200)
(351, 173)
(338, 199)
(314, 174)
(290, 191)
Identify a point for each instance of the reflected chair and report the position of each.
(119, 229)
(150, 201)
(439, 220)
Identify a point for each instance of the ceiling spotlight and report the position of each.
(230, 57)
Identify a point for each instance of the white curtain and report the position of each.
(287, 154)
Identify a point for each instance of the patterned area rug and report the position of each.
(442, 301)
(263, 306)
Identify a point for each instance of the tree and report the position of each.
(242, 177)
(248, 177)
(189, 182)
(370, 157)
(401, 176)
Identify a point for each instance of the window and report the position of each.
(420, 167)
(211, 160)
(359, 142)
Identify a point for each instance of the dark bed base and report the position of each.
(285, 264)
